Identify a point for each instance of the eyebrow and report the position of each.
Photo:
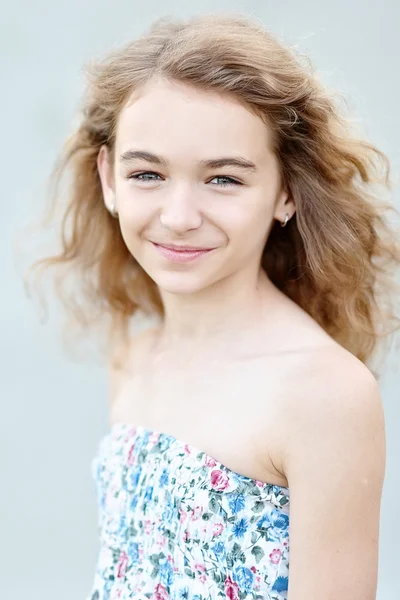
(213, 163)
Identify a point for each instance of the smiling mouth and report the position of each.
(181, 253)
(177, 248)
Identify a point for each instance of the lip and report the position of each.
(181, 253)
(178, 248)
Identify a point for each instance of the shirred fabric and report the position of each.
(175, 524)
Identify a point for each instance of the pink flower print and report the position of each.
(259, 483)
(161, 541)
(122, 564)
(115, 594)
(153, 439)
(188, 449)
(253, 569)
(131, 454)
(210, 462)
(217, 529)
(201, 571)
(131, 431)
(275, 556)
(231, 589)
(148, 526)
(185, 535)
(196, 513)
(219, 480)
(183, 515)
(160, 593)
(257, 582)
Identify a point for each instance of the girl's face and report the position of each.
(192, 168)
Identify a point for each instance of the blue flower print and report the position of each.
(134, 502)
(219, 550)
(149, 493)
(240, 528)
(277, 522)
(135, 475)
(164, 442)
(168, 513)
(107, 589)
(164, 478)
(244, 578)
(280, 521)
(267, 523)
(281, 584)
(133, 552)
(236, 503)
(264, 522)
(166, 573)
(122, 525)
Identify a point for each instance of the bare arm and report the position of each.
(335, 464)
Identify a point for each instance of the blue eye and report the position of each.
(139, 175)
(228, 181)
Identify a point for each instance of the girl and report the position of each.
(216, 188)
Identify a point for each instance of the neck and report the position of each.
(219, 314)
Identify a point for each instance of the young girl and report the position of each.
(216, 188)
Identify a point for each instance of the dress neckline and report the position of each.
(140, 430)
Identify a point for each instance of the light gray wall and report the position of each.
(54, 409)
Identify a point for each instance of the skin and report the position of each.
(236, 368)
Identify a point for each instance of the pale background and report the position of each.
(54, 409)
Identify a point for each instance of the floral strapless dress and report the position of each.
(175, 524)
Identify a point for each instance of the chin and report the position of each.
(180, 283)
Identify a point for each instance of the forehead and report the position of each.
(170, 117)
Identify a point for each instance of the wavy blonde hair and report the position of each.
(337, 256)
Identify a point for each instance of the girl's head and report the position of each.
(192, 167)
(210, 133)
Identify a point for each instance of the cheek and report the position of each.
(135, 213)
(246, 223)
(134, 220)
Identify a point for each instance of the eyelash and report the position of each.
(231, 180)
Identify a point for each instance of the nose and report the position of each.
(179, 213)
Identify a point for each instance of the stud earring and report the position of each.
(113, 211)
(285, 222)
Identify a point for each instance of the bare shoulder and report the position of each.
(333, 390)
(125, 360)
(331, 372)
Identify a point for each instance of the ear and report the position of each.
(106, 174)
(284, 205)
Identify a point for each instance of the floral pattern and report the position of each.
(175, 524)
